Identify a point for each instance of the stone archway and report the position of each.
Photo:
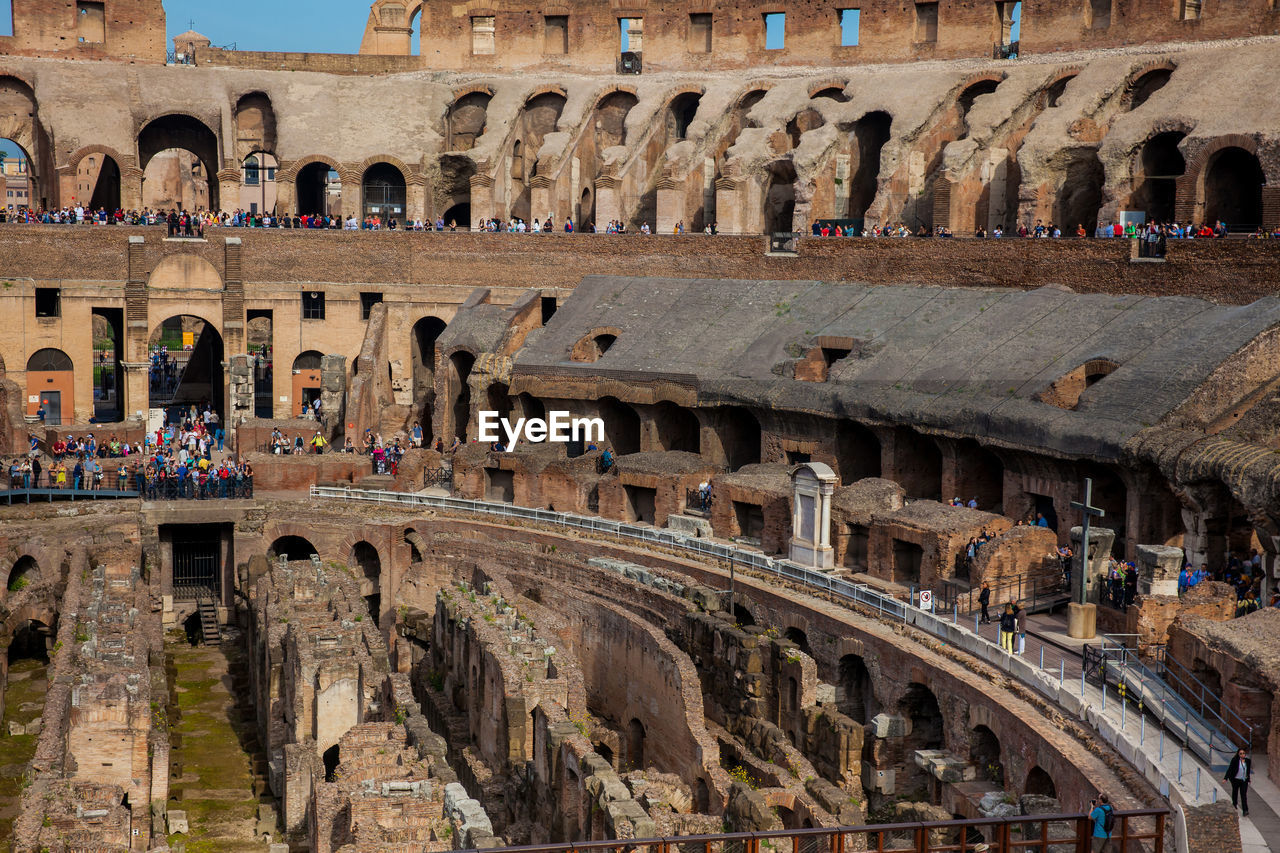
(187, 173)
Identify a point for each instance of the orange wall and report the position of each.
(39, 382)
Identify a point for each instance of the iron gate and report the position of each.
(196, 565)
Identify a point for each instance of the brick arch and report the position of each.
(274, 530)
(1189, 189)
(981, 77)
(388, 159)
(1167, 125)
(47, 561)
(472, 89)
(290, 172)
(349, 542)
(545, 89)
(73, 159)
(1126, 91)
(4, 72)
(616, 87)
(829, 83)
(457, 348)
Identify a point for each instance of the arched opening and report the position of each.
(422, 354)
(738, 431)
(258, 191)
(319, 189)
(917, 464)
(835, 93)
(365, 557)
(984, 753)
(593, 346)
(635, 744)
(498, 397)
(676, 428)
(25, 147)
(382, 190)
(531, 407)
(540, 116)
(185, 175)
(742, 616)
(458, 217)
(30, 643)
(803, 122)
(1160, 164)
(857, 452)
(621, 426)
(461, 362)
(292, 548)
(702, 797)
(306, 380)
(51, 386)
(780, 198)
(1054, 93)
(680, 114)
(186, 355)
(1233, 189)
(971, 93)
(979, 476)
(255, 121)
(586, 208)
(798, 636)
(98, 180)
(1080, 195)
(1040, 783)
(466, 121)
(331, 760)
(603, 750)
(1141, 90)
(870, 133)
(920, 706)
(855, 694)
(23, 573)
(611, 120)
(456, 173)
(108, 351)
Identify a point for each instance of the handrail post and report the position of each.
(1159, 845)
(1004, 836)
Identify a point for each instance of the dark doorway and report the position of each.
(462, 363)
(319, 188)
(1081, 192)
(293, 548)
(800, 638)
(30, 642)
(635, 744)
(197, 561)
(106, 191)
(621, 426)
(108, 333)
(1233, 189)
(331, 760)
(1159, 166)
(1040, 783)
(780, 198)
(870, 133)
(857, 452)
(855, 696)
(907, 557)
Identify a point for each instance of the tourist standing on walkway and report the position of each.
(1008, 625)
(1238, 773)
(1104, 819)
(1020, 617)
(984, 598)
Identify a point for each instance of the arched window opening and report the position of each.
(292, 548)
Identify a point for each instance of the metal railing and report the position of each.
(441, 477)
(1166, 707)
(1142, 828)
(1034, 594)
(695, 501)
(1175, 697)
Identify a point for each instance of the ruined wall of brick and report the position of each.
(119, 30)
(669, 38)
(1024, 551)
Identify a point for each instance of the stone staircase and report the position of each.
(211, 635)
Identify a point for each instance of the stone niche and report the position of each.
(812, 486)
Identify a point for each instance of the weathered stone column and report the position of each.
(229, 180)
(608, 205)
(1100, 541)
(481, 199)
(670, 205)
(540, 197)
(728, 214)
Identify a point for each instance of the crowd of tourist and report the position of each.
(181, 223)
(174, 461)
(1245, 574)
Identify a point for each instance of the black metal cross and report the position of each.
(1086, 512)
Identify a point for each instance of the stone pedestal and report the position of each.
(1082, 621)
(1158, 569)
(1100, 542)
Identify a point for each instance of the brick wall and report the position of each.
(1229, 271)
